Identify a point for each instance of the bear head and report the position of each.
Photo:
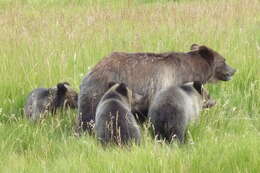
(221, 70)
(119, 91)
(66, 96)
(208, 102)
(125, 94)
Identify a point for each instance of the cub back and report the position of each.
(173, 108)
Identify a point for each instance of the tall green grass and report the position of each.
(45, 42)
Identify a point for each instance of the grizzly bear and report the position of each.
(115, 122)
(173, 108)
(139, 109)
(147, 73)
(47, 100)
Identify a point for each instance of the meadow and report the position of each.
(43, 42)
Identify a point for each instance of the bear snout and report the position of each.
(228, 75)
(232, 72)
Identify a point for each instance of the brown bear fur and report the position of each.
(147, 73)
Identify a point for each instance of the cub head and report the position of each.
(124, 92)
(120, 91)
(221, 70)
(66, 95)
(207, 101)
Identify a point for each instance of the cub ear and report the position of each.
(110, 84)
(189, 84)
(207, 54)
(198, 86)
(194, 47)
(122, 89)
(61, 88)
(66, 83)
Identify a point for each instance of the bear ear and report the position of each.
(66, 83)
(122, 89)
(188, 84)
(194, 47)
(110, 84)
(207, 54)
(61, 88)
(198, 86)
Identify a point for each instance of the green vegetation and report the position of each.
(44, 42)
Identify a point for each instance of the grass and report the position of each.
(44, 42)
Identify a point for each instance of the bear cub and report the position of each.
(115, 122)
(47, 100)
(174, 107)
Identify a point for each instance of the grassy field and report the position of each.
(44, 42)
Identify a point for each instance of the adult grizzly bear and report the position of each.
(147, 73)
